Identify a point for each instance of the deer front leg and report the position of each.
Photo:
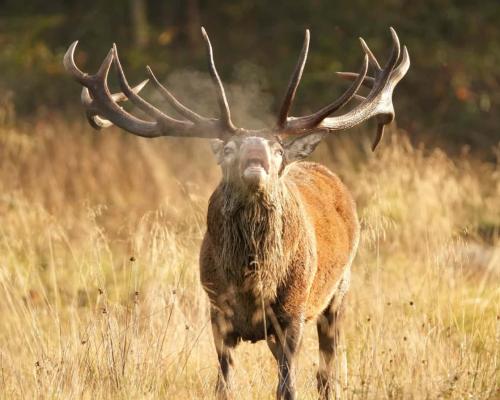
(284, 345)
(224, 345)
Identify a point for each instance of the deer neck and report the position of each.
(252, 246)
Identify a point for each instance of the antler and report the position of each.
(377, 104)
(102, 107)
(294, 83)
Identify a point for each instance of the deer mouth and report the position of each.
(256, 164)
(255, 171)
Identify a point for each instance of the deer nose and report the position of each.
(254, 152)
(254, 162)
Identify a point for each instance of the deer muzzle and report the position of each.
(254, 162)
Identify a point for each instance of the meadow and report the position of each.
(99, 289)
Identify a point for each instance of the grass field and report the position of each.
(99, 291)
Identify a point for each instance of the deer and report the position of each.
(282, 232)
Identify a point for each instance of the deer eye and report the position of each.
(228, 151)
(279, 151)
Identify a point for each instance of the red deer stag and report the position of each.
(281, 233)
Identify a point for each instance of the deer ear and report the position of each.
(217, 146)
(299, 148)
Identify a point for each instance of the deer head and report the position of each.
(249, 158)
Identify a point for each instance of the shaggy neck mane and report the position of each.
(251, 244)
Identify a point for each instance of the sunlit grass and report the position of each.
(99, 239)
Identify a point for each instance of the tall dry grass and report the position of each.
(99, 292)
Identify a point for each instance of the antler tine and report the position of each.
(377, 104)
(401, 70)
(222, 99)
(120, 96)
(170, 98)
(386, 72)
(352, 76)
(103, 70)
(294, 82)
(378, 135)
(70, 65)
(373, 60)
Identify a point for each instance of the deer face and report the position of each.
(256, 161)
(251, 162)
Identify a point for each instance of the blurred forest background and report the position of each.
(448, 97)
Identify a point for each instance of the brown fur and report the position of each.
(270, 261)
